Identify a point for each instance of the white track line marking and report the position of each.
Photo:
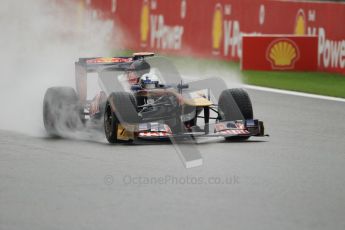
(294, 93)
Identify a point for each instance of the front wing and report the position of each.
(152, 131)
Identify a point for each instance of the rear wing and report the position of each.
(96, 64)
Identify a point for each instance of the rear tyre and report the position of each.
(61, 111)
(235, 104)
(120, 108)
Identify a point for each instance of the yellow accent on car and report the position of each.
(198, 102)
(143, 54)
(123, 134)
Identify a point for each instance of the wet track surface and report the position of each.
(291, 180)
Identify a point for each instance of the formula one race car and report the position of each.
(144, 97)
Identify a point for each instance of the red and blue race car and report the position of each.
(145, 97)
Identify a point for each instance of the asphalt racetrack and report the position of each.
(292, 180)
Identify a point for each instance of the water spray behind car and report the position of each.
(40, 40)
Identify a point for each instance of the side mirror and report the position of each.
(182, 86)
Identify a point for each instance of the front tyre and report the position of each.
(120, 108)
(111, 124)
(235, 104)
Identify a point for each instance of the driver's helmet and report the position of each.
(137, 69)
(149, 81)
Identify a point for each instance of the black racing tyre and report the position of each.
(235, 104)
(110, 124)
(120, 107)
(61, 110)
(124, 104)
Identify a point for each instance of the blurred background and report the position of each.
(209, 34)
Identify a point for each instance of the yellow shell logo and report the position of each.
(283, 54)
(144, 21)
(217, 28)
(300, 27)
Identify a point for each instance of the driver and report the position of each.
(137, 70)
(149, 81)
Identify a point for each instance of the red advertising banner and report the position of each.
(267, 52)
(214, 28)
